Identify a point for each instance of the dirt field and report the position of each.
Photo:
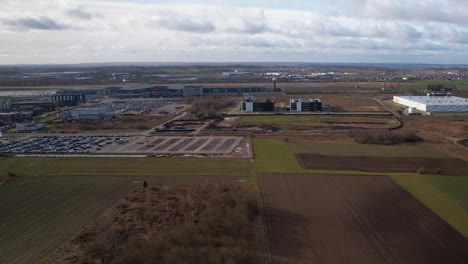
(448, 166)
(354, 219)
(340, 102)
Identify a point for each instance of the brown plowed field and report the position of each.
(448, 166)
(349, 219)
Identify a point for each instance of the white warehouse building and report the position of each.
(434, 103)
(88, 113)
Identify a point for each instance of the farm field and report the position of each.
(38, 214)
(53, 198)
(421, 86)
(339, 103)
(305, 122)
(366, 150)
(354, 219)
(447, 196)
(447, 166)
(125, 167)
(274, 156)
(333, 87)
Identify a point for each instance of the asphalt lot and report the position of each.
(175, 145)
(60, 144)
(81, 144)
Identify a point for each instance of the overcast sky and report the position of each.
(67, 31)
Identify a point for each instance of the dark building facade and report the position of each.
(312, 105)
(249, 105)
(68, 99)
(232, 90)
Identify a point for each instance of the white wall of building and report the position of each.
(249, 106)
(434, 103)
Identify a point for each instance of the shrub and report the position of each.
(421, 170)
(380, 136)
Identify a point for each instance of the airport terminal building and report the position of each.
(434, 103)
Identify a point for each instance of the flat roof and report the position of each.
(139, 87)
(437, 100)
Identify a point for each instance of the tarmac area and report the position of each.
(175, 145)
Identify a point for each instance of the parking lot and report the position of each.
(121, 145)
(176, 145)
(60, 144)
(134, 106)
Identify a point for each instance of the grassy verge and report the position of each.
(47, 119)
(125, 167)
(447, 196)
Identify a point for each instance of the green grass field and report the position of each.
(366, 150)
(47, 119)
(125, 167)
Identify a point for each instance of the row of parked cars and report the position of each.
(56, 144)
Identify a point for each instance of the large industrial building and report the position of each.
(233, 90)
(180, 91)
(13, 117)
(434, 103)
(68, 99)
(311, 105)
(141, 91)
(5, 105)
(87, 114)
(29, 126)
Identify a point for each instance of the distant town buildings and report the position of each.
(237, 73)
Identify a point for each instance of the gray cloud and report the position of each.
(186, 25)
(82, 14)
(447, 11)
(41, 23)
(249, 27)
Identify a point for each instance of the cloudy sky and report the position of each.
(67, 31)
